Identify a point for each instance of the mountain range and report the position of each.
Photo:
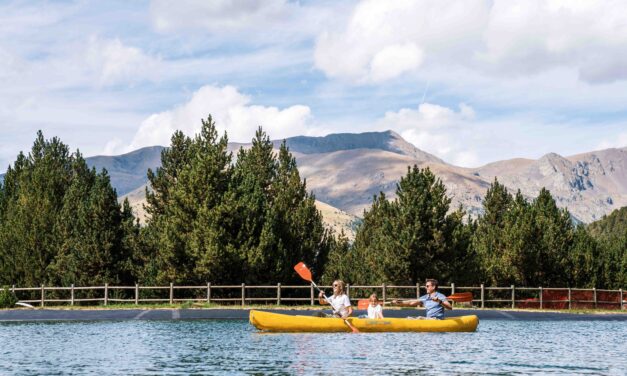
(346, 170)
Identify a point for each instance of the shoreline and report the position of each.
(221, 313)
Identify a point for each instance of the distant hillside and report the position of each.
(387, 141)
(611, 226)
(128, 171)
(346, 170)
(590, 185)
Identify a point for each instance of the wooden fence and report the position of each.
(484, 297)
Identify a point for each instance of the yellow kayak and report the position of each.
(276, 322)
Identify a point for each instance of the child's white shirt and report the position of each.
(374, 310)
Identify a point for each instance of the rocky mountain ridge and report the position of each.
(346, 170)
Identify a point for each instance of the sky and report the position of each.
(469, 81)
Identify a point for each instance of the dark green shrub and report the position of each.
(7, 298)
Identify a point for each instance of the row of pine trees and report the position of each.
(249, 219)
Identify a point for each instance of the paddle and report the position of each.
(459, 298)
(304, 272)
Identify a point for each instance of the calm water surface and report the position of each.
(235, 347)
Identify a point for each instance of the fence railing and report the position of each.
(484, 296)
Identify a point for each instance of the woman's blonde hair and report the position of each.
(341, 285)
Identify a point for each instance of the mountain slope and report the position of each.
(387, 141)
(128, 171)
(347, 170)
(590, 185)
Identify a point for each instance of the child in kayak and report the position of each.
(339, 300)
(375, 311)
(434, 301)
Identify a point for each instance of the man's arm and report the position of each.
(443, 303)
(407, 303)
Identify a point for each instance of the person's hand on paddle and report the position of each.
(322, 298)
(443, 303)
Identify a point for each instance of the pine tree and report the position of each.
(293, 213)
(60, 221)
(555, 237)
(412, 237)
(186, 190)
(488, 240)
(585, 266)
(34, 195)
(255, 232)
(90, 249)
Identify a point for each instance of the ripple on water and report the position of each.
(234, 347)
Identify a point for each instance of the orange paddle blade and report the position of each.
(303, 271)
(364, 303)
(353, 329)
(461, 297)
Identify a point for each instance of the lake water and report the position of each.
(235, 347)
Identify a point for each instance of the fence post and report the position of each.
(541, 297)
(13, 289)
(136, 294)
(312, 294)
(106, 294)
(383, 293)
(569, 299)
(513, 297)
(72, 295)
(208, 292)
(417, 290)
(42, 295)
(278, 294)
(621, 299)
(348, 289)
(594, 295)
(171, 293)
(452, 288)
(482, 296)
(243, 294)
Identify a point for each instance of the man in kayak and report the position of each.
(339, 300)
(434, 301)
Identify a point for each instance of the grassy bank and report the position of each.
(204, 305)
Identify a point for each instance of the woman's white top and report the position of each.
(375, 312)
(340, 303)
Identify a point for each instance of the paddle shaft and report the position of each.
(304, 272)
(327, 299)
(355, 330)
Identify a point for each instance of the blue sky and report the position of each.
(469, 81)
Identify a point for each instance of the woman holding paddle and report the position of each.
(434, 302)
(339, 300)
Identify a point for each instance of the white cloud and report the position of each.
(500, 38)
(232, 112)
(217, 15)
(113, 62)
(463, 138)
(620, 141)
(275, 22)
(435, 129)
(393, 61)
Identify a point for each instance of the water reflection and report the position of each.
(234, 347)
